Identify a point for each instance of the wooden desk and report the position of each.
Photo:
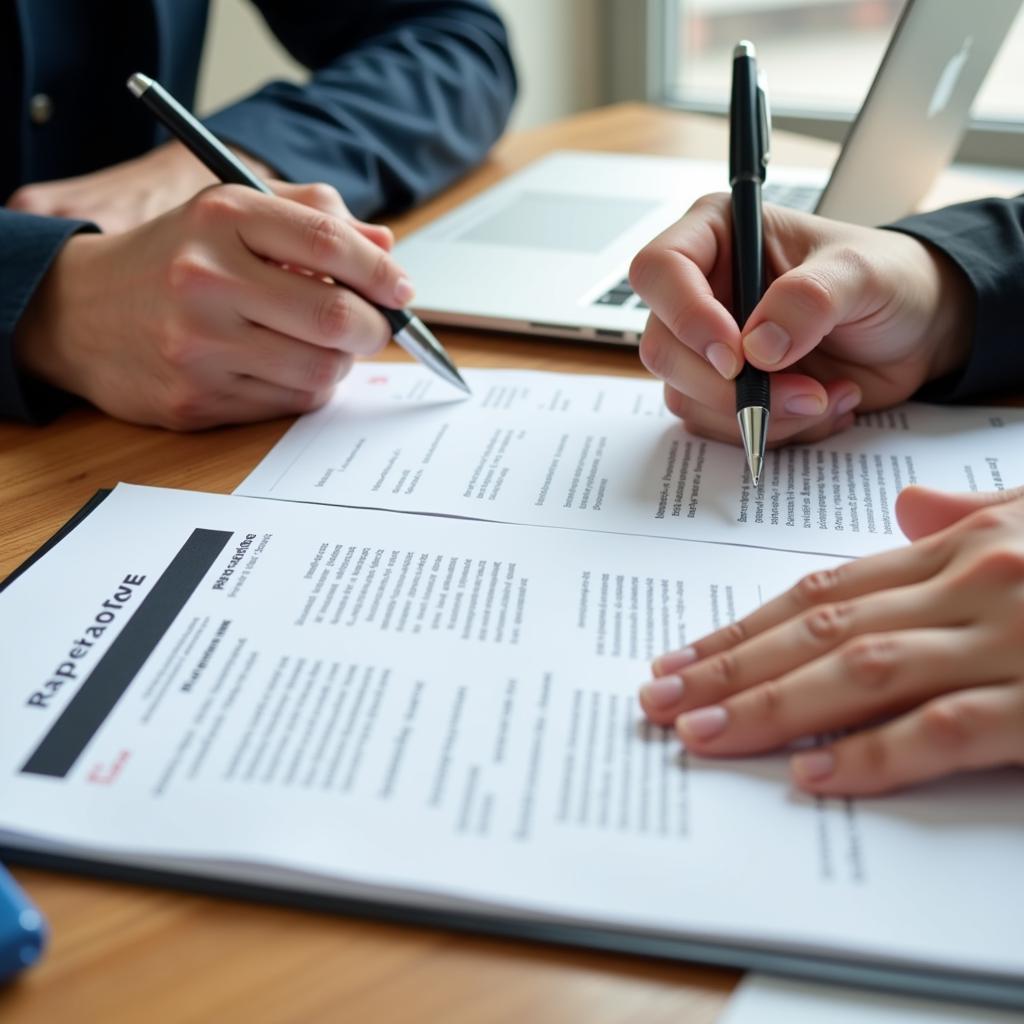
(128, 953)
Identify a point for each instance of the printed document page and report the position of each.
(761, 999)
(444, 712)
(603, 453)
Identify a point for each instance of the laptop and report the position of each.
(547, 250)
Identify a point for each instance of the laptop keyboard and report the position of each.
(621, 294)
(796, 197)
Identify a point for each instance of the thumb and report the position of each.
(804, 305)
(921, 511)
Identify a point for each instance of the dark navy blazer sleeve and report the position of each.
(28, 245)
(985, 239)
(405, 95)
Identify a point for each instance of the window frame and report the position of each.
(986, 141)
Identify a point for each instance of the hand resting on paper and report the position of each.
(853, 318)
(920, 647)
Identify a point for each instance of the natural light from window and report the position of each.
(820, 54)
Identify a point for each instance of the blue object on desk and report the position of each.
(22, 929)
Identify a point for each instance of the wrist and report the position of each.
(47, 338)
(952, 321)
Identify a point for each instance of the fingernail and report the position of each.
(703, 724)
(662, 692)
(404, 291)
(673, 661)
(805, 405)
(720, 356)
(767, 343)
(848, 402)
(813, 766)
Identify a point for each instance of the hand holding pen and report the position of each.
(845, 321)
(197, 318)
(408, 330)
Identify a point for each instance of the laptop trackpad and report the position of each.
(557, 220)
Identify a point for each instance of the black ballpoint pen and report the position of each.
(408, 330)
(748, 155)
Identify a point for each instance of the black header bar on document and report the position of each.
(61, 747)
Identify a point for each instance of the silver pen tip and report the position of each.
(753, 420)
(744, 48)
(138, 84)
(416, 338)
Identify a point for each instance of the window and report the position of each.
(821, 56)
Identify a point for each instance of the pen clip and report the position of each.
(764, 117)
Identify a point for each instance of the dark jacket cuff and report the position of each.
(985, 239)
(28, 246)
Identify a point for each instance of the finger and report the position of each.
(800, 643)
(277, 359)
(679, 366)
(965, 731)
(676, 275)
(380, 234)
(784, 427)
(834, 422)
(921, 511)
(34, 198)
(899, 568)
(327, 199)
(834, 285)
(310, 310)
(723, 427)
(793, 395)
(259, 400)
(316, 194)
(872, 677)
(288, 232)
(235, 399)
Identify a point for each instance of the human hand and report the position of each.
(193, 319)
(858, 318)
(131, 193)
(921, 646)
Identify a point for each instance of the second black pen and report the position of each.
(748, 155)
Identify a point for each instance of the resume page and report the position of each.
(603, 453)
(761, 999)
(436, 710)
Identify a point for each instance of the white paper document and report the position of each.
(761, 999)
(437, 712)
(603, 453)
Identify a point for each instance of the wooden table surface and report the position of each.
(129, 953)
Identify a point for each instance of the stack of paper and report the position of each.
(437, 716)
